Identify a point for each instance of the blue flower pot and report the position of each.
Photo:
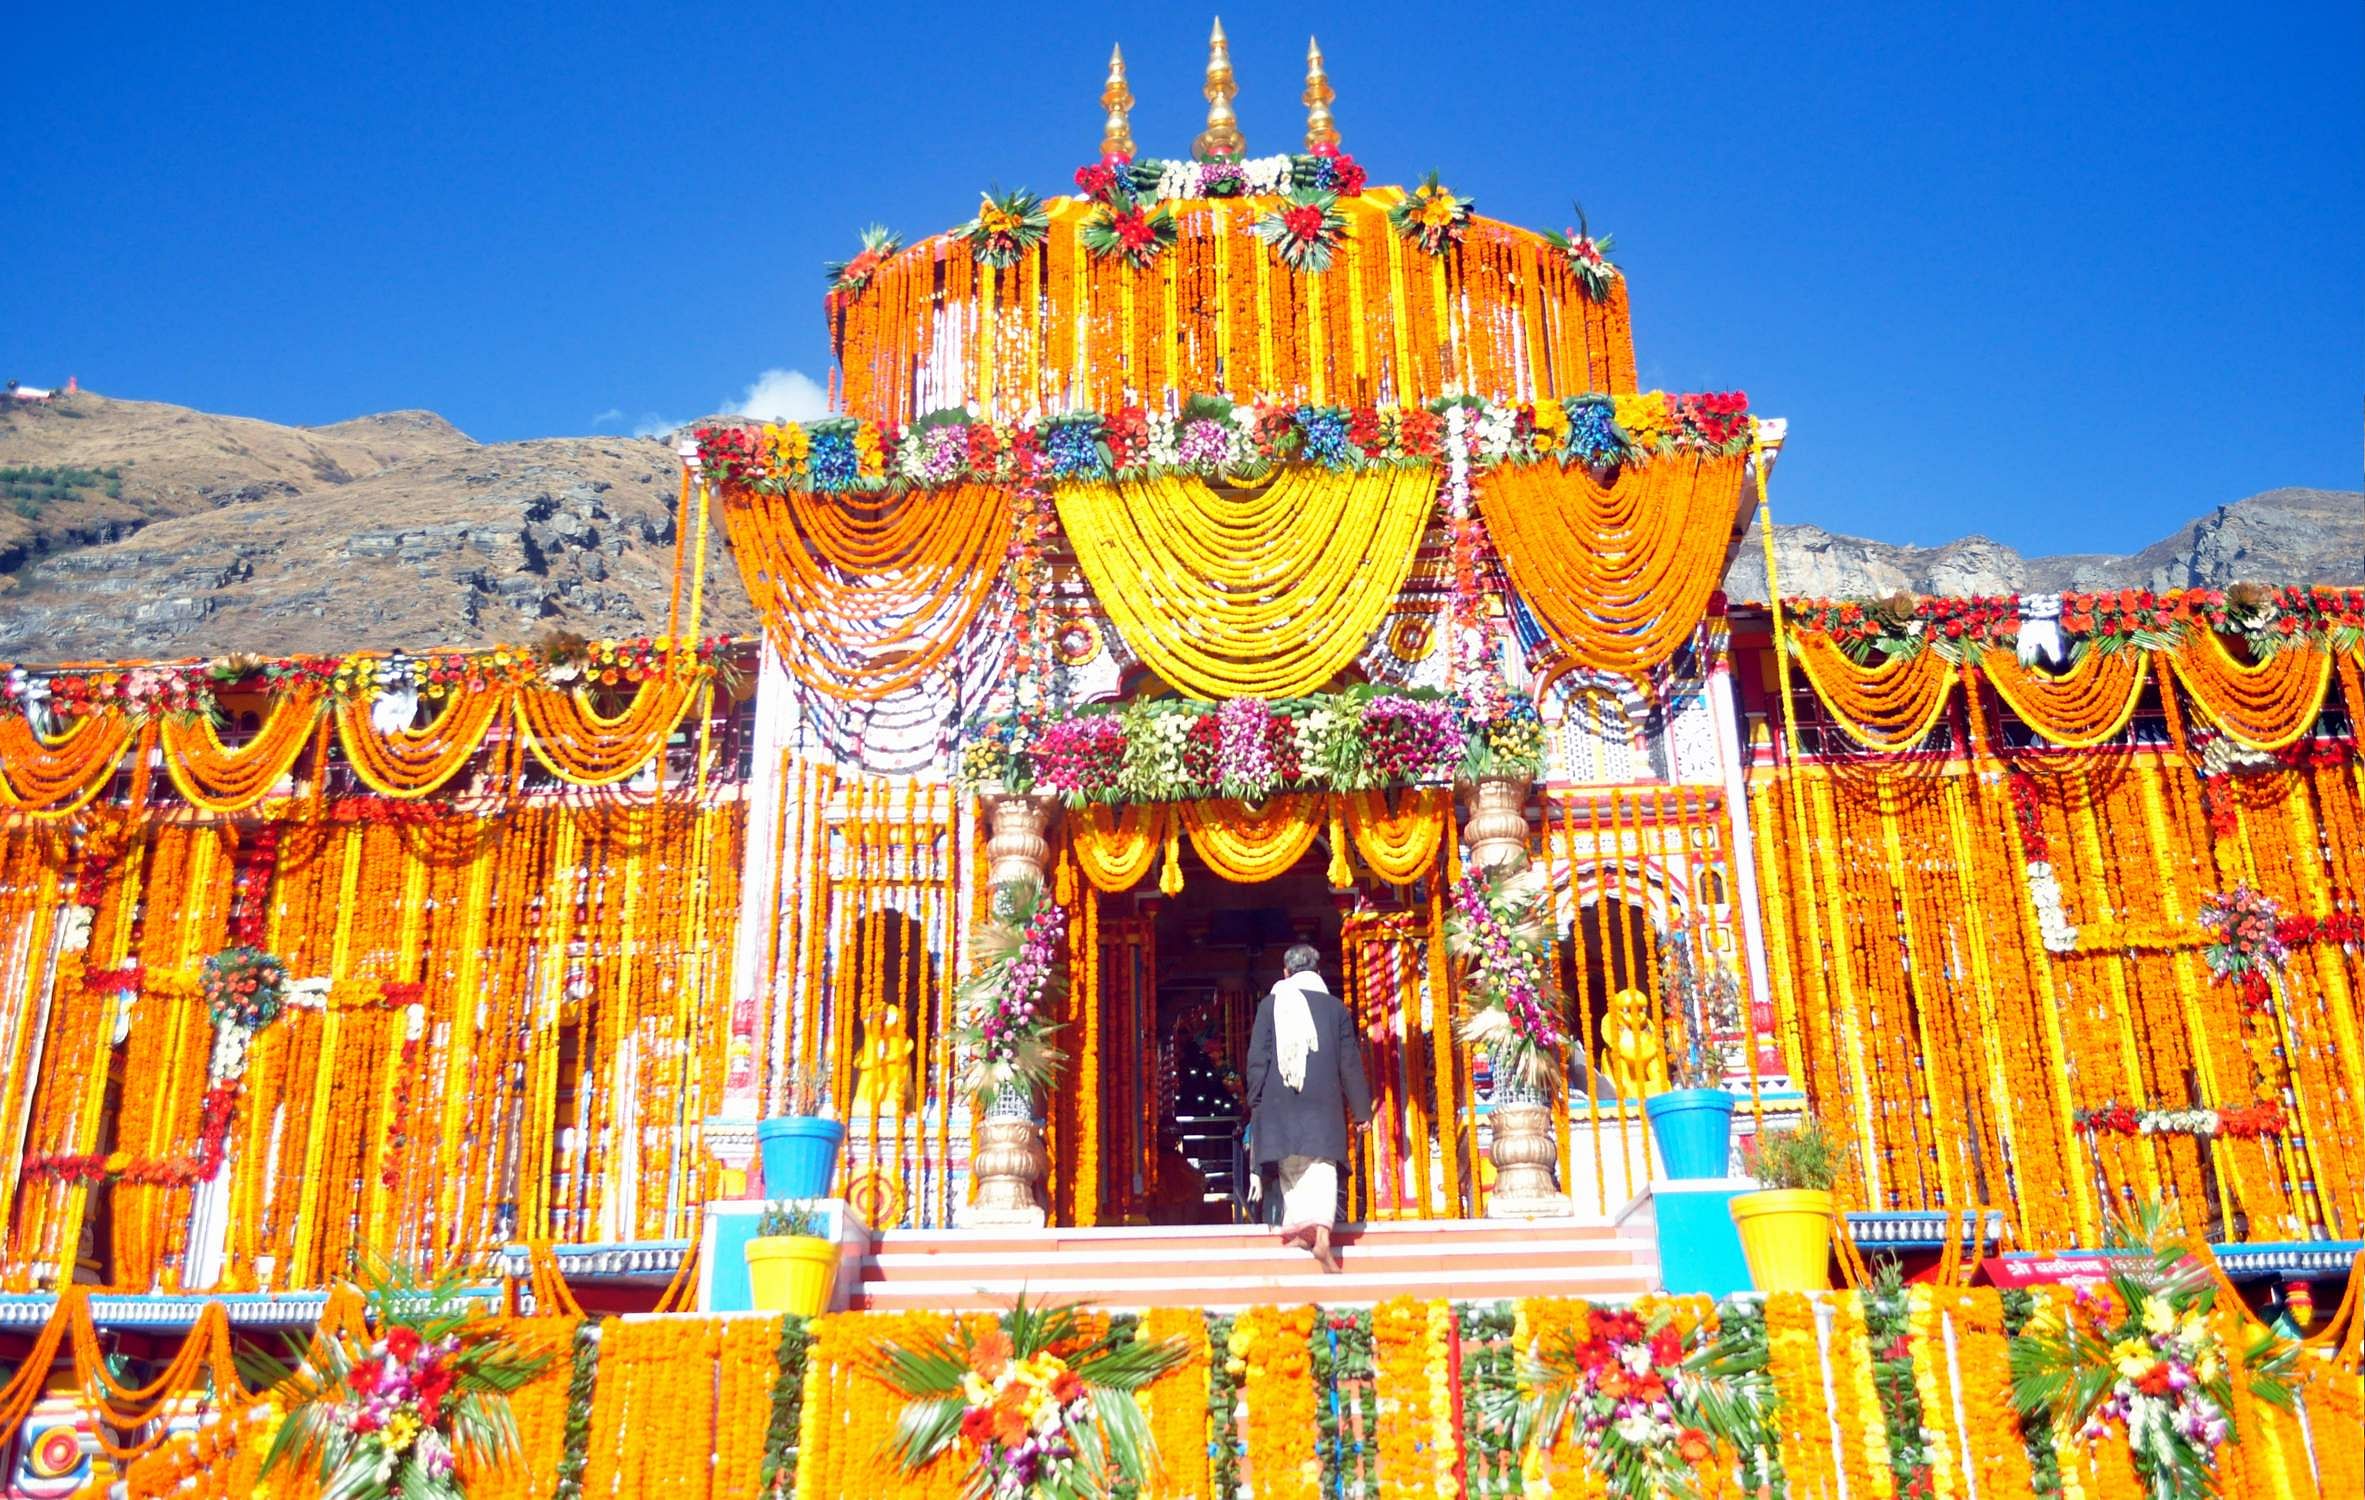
(1694, 1129)
(800, 1155)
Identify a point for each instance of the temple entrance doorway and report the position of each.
(1179, 979)
(1220, 944)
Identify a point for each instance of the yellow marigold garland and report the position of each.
(1277, 1398)
(1268, 595)
(1176, 1404)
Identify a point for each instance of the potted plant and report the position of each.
(791, 1264)
(1786, 1225)
(800, 1146)
(1693, 1121)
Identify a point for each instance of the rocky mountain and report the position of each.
(2278, 536)
(137, 529)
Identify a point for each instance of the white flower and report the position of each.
(1267, 174)
(1163, 452)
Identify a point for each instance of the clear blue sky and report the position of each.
(2065, 275)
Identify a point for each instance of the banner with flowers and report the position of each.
(1178, 750)
(1211, 436)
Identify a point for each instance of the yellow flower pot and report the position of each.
(791, 1273)
(1786, 1237)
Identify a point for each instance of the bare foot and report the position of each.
(1297, 1239)
(1323, 1255)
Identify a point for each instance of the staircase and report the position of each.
(1222, 1266)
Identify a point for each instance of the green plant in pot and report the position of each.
(1786, 1225)
(800, 1145)
(1693, 1121)
(792, 1263)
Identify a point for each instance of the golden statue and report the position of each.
(1634, 1060)
(884, 1067)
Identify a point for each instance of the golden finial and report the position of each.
(1321, 131)
(1116, 137)
(1222, 135)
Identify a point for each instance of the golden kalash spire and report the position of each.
(1116, 137)
(1222, 135)
(1321, 130)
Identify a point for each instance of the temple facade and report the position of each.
(1230, 554)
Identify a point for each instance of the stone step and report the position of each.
(1217, 1287)
(1227, 1266)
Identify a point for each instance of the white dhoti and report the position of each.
(1309, 1192)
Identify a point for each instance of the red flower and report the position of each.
(364, 1376)
(402, 1341)
(1096, 179)
(2154, 1381)
(1347, 176)
(1303, 222)
(977, 1425)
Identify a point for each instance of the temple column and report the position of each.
(1007, 1172)
(1521, 1141)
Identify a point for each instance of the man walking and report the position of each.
(1305, 1087)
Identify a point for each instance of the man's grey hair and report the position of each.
(1302, 958)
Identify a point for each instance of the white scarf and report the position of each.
(1294, 1037)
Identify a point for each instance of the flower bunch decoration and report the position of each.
(1164, 181)
(1003, 1008)
(1122, 227)
(1431, 218)
(1587, 258)
(1034, 1423)
(2264, 620)
(1174, 750)
(851, 275)
(1650, 1406)
(2236, 1122)
(1498, 923)
(1502, 731)
(1214, 437)
(2143, 1359)
(140, 692)
(243, 987)
(400, 1415)
(2245, 941)
(1007, 226)
(1304, 231)
(1080, 758)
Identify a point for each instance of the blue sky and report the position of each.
(2063, 275)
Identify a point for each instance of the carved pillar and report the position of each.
(1522, 1144)
(1008, 1167)
(1018, 851)
(1007, 1171)
(1496, 829)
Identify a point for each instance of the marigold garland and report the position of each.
(1269, 595)
(1277, 1400)
(1618, 574)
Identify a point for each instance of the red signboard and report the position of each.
(2077, 1268)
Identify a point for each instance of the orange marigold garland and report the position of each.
(1277, 1401)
